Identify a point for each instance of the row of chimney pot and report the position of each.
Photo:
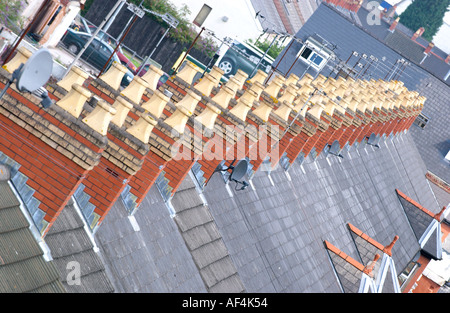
(282, 101)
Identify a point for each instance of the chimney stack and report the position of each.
(418, 33)
(428, 49)
(394, 24)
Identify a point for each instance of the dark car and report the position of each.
(96, 54)
(244, 56)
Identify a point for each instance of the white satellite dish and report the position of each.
(31, 76)
(36, 71)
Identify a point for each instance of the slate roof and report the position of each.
(274, 233)
(343, 32)
(69, 242)
(342, 29)
(23, 267)
(419, 219)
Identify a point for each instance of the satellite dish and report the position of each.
(239, 171)
(31, 76)
(335, 147)
(373, 140)
(36, 71)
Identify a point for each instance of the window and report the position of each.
(314, 54)
(407, 273)
(421, 120)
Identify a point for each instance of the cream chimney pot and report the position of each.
(142, 129)
(114, 75)
(22, 56)
(122, 108)
(100, 117)
(179, 119)
(75, 76)
(189, 101)
(259, 77)
(188, 73)
(206, 84)
(74, 100)
(223, 97)
(135, 89)
(241, 109)
(152, 77)
(217, 73)
(208, 117)
(155, 105)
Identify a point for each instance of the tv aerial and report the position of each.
(237, 172)
(31, 76)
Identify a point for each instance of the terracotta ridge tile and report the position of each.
(364, 236)
(415, 203)
(344, 256)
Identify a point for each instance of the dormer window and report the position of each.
(314, 53)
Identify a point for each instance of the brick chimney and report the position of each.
(394, 24)
(429, 47)
(447, 59)
(418, 33)
(52, 151)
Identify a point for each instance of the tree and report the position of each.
(10, 13)
(274, 50)
(428, 14)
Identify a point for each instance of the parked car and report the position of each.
(244, 56)
(96, 54)
(103, 36)
(161, 81)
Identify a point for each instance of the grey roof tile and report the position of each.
(22, 264)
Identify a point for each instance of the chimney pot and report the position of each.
(208, 117)
(74, 100)
(143, 128)
(394, 24)
(122, 107)
(241, 76)
(114, 75)
(260, 77)
(100, 117)
(187, 73)
(206, 84)
(152, 76)
(75, 76)
(223, 97)
(135, 89)
(155, 105)
(22, 56)
(418, 33)
(216, 72)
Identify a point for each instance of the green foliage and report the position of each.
(274, 50)
(425, 13)
(86, 7)
(10, 12)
